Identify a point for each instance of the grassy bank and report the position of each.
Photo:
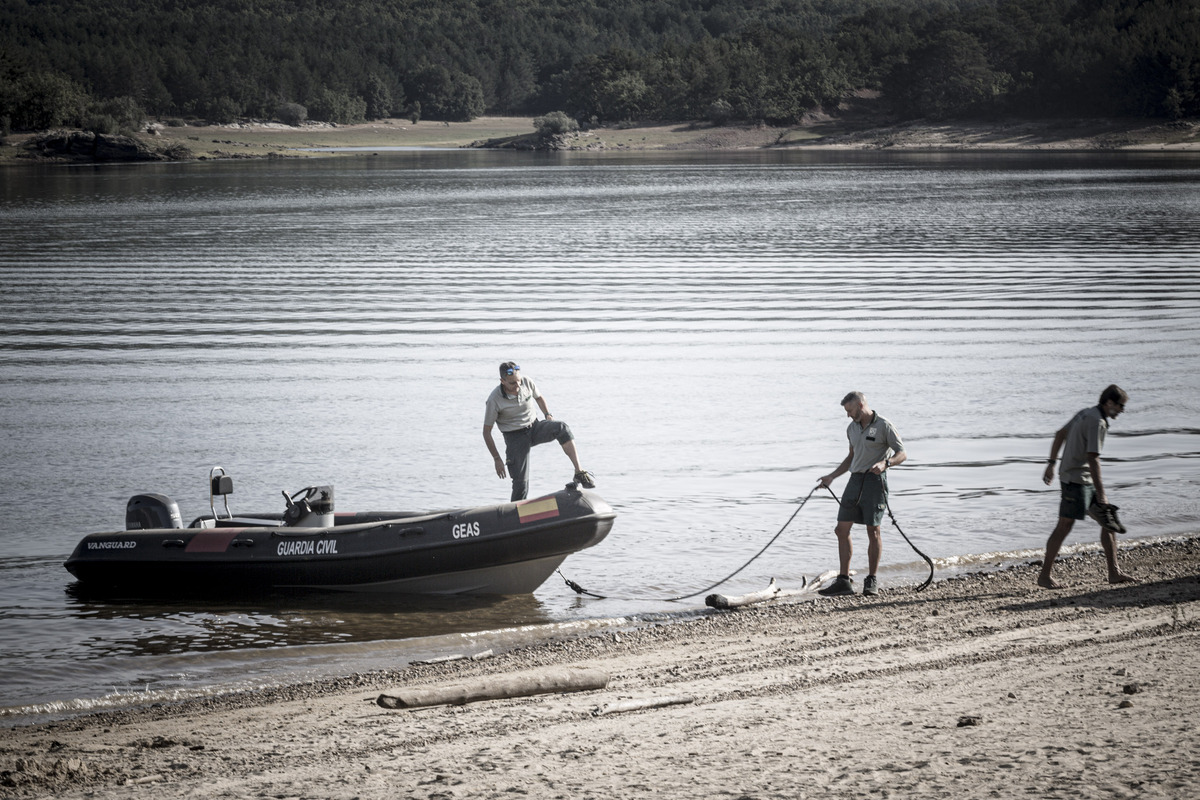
(849, 131)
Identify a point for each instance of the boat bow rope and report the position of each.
(580, 590)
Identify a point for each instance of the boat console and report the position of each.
(311, 507)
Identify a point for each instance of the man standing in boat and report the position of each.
(511, 407)
(1083, 493)
(875, 447)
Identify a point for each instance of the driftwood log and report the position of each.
(625, 706)
(456, 657)
(555, 680)
(772, 592)
(809, 586)
(721, 601)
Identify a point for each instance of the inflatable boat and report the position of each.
(510, 548)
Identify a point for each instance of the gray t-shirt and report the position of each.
(1085, 434)
(512, 413)
(874, 443)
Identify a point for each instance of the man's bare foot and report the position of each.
(1046, 582)
(1121, 577)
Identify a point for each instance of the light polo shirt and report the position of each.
(512, 413)
(1085, 434)
(872, 444)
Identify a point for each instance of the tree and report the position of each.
(515, 82)
(378, 98)
(719, 112)
(447, 95)
(124, 112)
(42, 100)
(223, 109)
(291, 113)
(328, 105)
(555, 123)
(948, 77)
(611, 86)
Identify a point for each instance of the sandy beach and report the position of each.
(981, 686)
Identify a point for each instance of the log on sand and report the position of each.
(498, 687)
(456, 657)
(625, 706)
(772, 592)
(809, 586)
(721, 601)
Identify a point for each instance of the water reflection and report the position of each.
(189, 624)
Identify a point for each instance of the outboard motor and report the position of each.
(144, 511)
(311, 507)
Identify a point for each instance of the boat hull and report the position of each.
(505, 549)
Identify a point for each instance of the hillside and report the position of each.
(107, 65)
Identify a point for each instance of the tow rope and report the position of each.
(580, 590)
(928, 560)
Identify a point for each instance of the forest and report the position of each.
(110, 64)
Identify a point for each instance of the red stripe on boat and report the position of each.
(212, 541)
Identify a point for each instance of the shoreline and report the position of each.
(257, 140)
(1086, 690)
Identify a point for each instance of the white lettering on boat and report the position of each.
(464, 530)
(111, 545)
(307, 547)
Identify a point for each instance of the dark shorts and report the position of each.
(865, 499)
(1076, 497)
(518, 443)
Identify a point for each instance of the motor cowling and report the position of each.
(145, 511)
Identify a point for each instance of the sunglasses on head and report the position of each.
(511, 369)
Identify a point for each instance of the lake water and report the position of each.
(695, 319)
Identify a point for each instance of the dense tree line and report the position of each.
(109, 62)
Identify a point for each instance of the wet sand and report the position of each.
(981, 686)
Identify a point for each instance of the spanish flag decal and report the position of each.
(533, 510)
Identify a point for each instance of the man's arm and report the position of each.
(841, 468)
(541, 401)
(1059, 438)
(491, 446)
(895, 460)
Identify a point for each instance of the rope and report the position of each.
(928, 560)
(580, 590)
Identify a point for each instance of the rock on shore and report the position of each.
(89, 146)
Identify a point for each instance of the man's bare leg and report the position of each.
(569, 448)
(845, 546)
(874, 548)
(1053, 545)
(1108, 540)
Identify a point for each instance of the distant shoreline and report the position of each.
(273, 140)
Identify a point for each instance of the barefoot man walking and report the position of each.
(1083, 493)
